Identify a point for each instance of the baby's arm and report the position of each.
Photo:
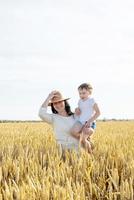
(95, 116)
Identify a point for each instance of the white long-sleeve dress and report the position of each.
(61, 126)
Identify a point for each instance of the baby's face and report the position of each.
(83, 93)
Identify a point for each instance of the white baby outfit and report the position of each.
(86, 108)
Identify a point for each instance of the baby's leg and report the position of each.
(85, 138)
(76, 129)
(86, 144)
(88, 131)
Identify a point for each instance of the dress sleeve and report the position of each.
(45, 116)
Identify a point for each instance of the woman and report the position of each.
(62, 119)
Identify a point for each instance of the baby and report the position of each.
(87, 112)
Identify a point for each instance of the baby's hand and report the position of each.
(77, 111)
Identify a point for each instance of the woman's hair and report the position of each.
(67, 108)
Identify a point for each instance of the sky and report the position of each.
(57, 45)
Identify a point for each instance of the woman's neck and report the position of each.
(63, 113)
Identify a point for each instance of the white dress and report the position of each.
(61, 126)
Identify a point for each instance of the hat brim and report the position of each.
(50, 103)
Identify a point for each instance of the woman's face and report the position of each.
(59, 106)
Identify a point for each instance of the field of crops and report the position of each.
(33, 168)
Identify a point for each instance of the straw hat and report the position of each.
(57, 98)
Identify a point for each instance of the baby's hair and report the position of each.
(86, 86)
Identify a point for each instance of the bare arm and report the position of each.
(96, 115)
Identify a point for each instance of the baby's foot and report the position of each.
(92, 145)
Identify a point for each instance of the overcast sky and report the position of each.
(46, 45)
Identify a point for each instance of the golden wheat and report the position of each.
(33, 168)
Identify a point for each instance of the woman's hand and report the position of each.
(52, 94)
(88, 124)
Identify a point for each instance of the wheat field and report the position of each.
(33, 168)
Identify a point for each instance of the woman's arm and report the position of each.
(50, 96)
(43, 109)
